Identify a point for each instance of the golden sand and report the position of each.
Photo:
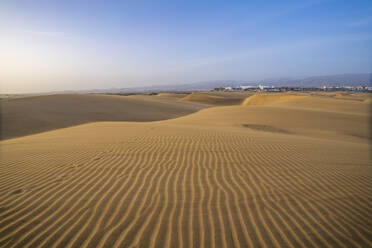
(283, 174)
(176, 95)
(265, 99)
(216, 98)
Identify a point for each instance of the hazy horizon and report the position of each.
(80, 45)
(264, 81)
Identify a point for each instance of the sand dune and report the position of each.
(276, 175)
(343, 95)
(31, 115)
(216, 98)
(356, 105)
(176, 95)
(266, 99)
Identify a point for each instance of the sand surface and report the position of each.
(29, 115)
(217, 98)
(293, 172)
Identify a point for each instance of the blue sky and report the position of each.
(63, 45)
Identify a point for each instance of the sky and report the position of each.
(77, 45)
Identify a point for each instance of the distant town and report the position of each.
(285, 88)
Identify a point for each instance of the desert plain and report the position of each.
(206, 169)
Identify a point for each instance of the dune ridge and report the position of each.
(265, 99)
(215, 98)
(176, 95)
(198, 97)
(201, 180)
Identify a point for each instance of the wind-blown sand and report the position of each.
(293, 173)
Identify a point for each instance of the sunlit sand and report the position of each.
(268, 170)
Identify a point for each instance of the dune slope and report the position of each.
(243, 176)
(267, 99)
(29, 115)
(216, 98)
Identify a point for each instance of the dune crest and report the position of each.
(175, 95)
(203, 98)
(215, 98)
(267, 99)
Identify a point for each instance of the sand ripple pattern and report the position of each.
(203, 188)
